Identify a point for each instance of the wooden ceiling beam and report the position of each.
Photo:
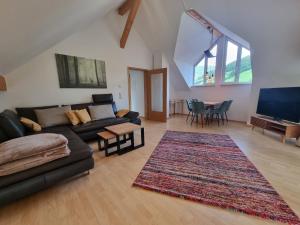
(135, 4)
(125, 7)
(199, 18)
(2, 84)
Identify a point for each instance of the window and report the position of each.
(238, 68)
(232, 63)
(245, 67)
(199, 73)
(231, 60)
(205, 70)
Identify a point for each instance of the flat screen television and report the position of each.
(280, 103)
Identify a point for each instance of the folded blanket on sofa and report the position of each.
(26, 152)
(33, 161)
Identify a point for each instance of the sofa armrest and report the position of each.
(132, 115)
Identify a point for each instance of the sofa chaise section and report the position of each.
(19, 185)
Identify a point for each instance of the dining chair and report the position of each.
(219, 111)
(189, 107)
(228, 104)
(198, 108)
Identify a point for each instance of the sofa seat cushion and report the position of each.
(79, 151)
(98, 124)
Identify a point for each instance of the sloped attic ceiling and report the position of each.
(192, 40)
(270, 26)
(32, 26)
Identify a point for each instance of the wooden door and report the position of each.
(156, 87)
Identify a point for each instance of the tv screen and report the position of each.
(280, 103)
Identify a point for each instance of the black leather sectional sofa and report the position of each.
(19, 185)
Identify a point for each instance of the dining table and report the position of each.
(211, 104)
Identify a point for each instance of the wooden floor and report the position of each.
(106, 196)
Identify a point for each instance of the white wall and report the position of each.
(137, 91)
(240, 94)
(270, 26)
(36, 83)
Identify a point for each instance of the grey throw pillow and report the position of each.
(53, 116)
(99, 112)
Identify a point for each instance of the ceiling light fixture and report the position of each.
(200, 19)
(207, 53)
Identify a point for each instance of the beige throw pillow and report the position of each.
(83, 115)
(53, 116)
(99, 112)
(31, 124)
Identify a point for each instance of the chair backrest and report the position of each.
(228, 104)
(222, 107)
(198, 107)
(189, 104)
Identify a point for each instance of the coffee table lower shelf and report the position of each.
(121, 138)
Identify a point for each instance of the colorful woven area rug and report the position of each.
(211, 169)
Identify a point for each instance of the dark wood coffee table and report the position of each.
(121, 131)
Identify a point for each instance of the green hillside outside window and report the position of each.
(231, 60)
(245, 67)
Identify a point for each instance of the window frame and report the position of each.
(205, 84)
(238, 63)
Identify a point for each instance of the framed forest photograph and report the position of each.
(79, 72)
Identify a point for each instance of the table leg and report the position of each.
(283, 139)
(143, 136)
(174, 108)
(132, 140)
(99, 144)
(106, 147)
(118, 144)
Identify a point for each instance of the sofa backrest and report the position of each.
(28, 112)
(103, 99)
(10, 124)
(3, 136)
(81, 106)
(86, 106)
